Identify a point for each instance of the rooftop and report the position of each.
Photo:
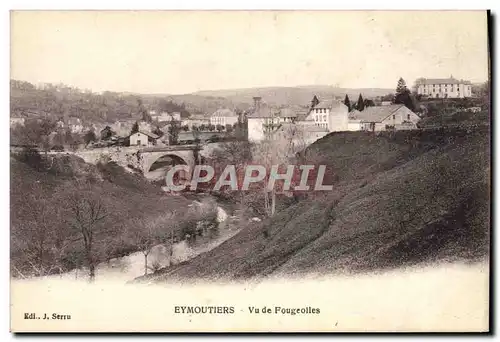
(224, 113)
(266, 111)
(374, 114)
(449, 80)
(328, 104)
(197, 117)
(149, 134)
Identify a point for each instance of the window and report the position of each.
(408, 116)
(394, 117)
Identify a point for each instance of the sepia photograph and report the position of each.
(239, 171)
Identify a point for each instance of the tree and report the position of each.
(403, 95)
(59, 139)
(135, 128)
(401, 87)
(369, 103)
(173, 132)
(211, 128)
(314, 102)
(34, 236)
(185, 128)
(361, 103)
(143, 111)
(89, 137)
(229, 128)
(75, 141)
(106, 133)
(347, 102)
(35, 132)
(87, 215)
(203, 128)
(388, 97)
(158, 131)
(144, 234)
(220, 128)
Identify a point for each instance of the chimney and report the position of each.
(256, 102)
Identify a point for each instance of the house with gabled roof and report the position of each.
(381, 118)
(143, 138)
(264, 119)
(223, 117)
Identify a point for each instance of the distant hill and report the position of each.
(108, 106)
(300, 95)
(208, 101)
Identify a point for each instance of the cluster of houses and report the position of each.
(325, 117)
(263, 121)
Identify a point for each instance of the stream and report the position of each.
(131, 266)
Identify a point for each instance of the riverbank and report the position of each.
(131, 266)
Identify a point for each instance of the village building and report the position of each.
(165, 116)
(443, 87)
(107, 133)
(330, 114)
(224, 117)
(143, 138)
(195, 120)
(381, 118)
(75, 125)
(264, 120)
(353, 123)
(123, 127)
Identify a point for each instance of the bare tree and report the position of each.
(34, 235)
(146, 233)
(88, 213)
(279, 148)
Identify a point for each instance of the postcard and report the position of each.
(250, 171)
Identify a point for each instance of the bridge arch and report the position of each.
(168, 159)
(177, 157)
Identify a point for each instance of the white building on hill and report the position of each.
(444, 87)
(223, 117)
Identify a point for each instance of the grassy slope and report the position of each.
(125, 197)
(401, 200)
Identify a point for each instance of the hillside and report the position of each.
(63, 101)
(43, 237)
(404, 198)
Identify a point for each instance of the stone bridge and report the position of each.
(138, 157)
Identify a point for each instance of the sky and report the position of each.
(178, 52)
